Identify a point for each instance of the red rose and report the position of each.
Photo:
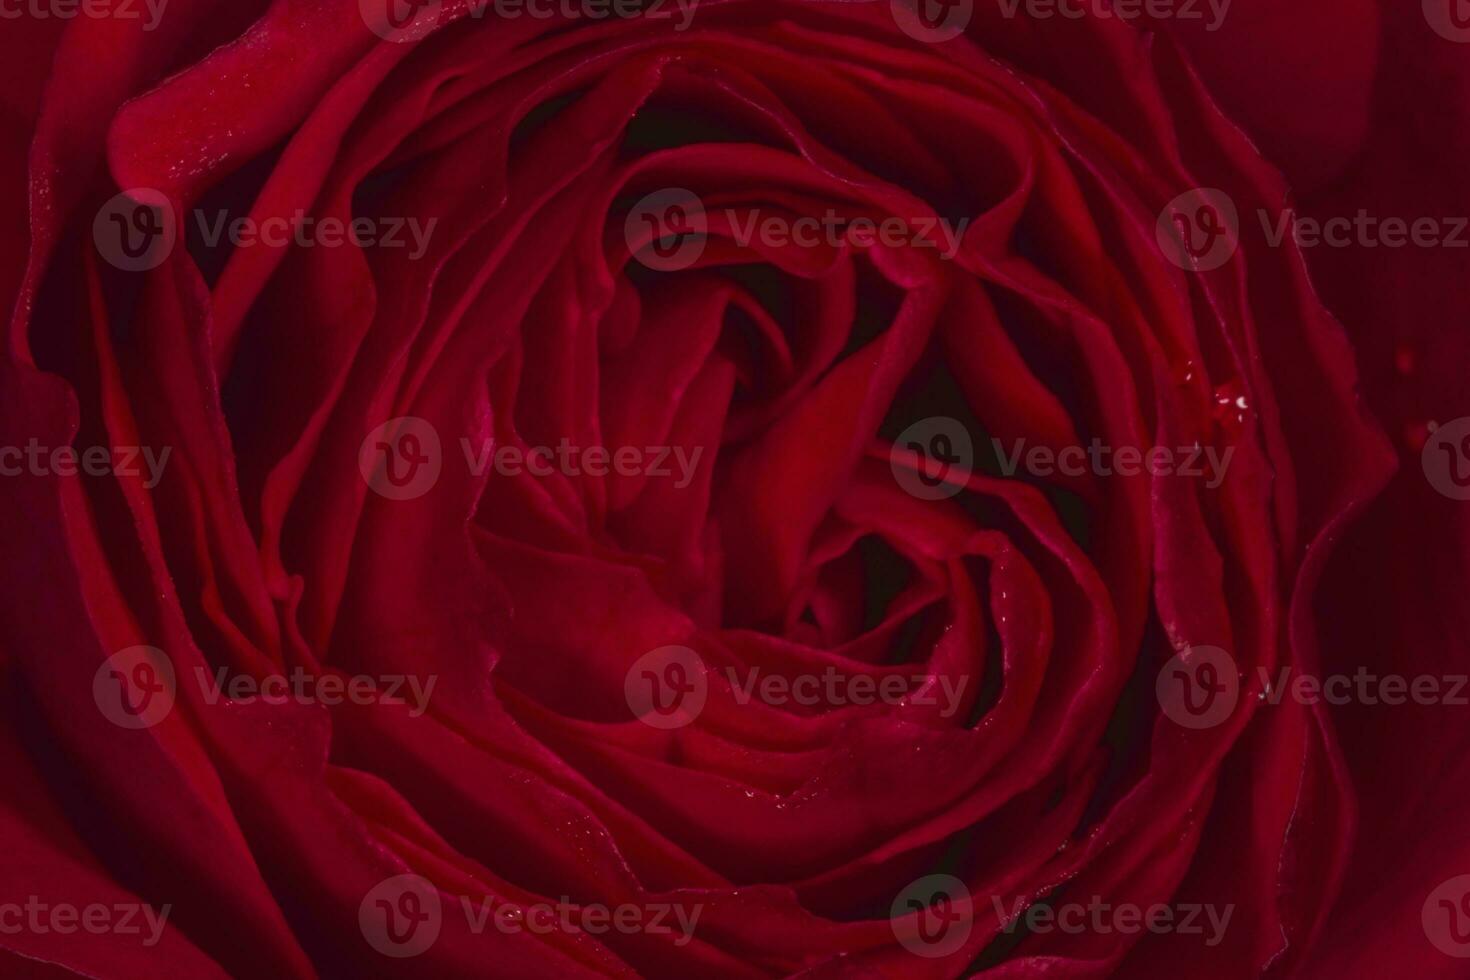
(734, 488)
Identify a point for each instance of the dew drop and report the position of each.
(1231, 404)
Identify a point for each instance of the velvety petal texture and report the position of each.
(587, 495)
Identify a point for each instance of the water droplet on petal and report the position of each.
(1231, 405)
